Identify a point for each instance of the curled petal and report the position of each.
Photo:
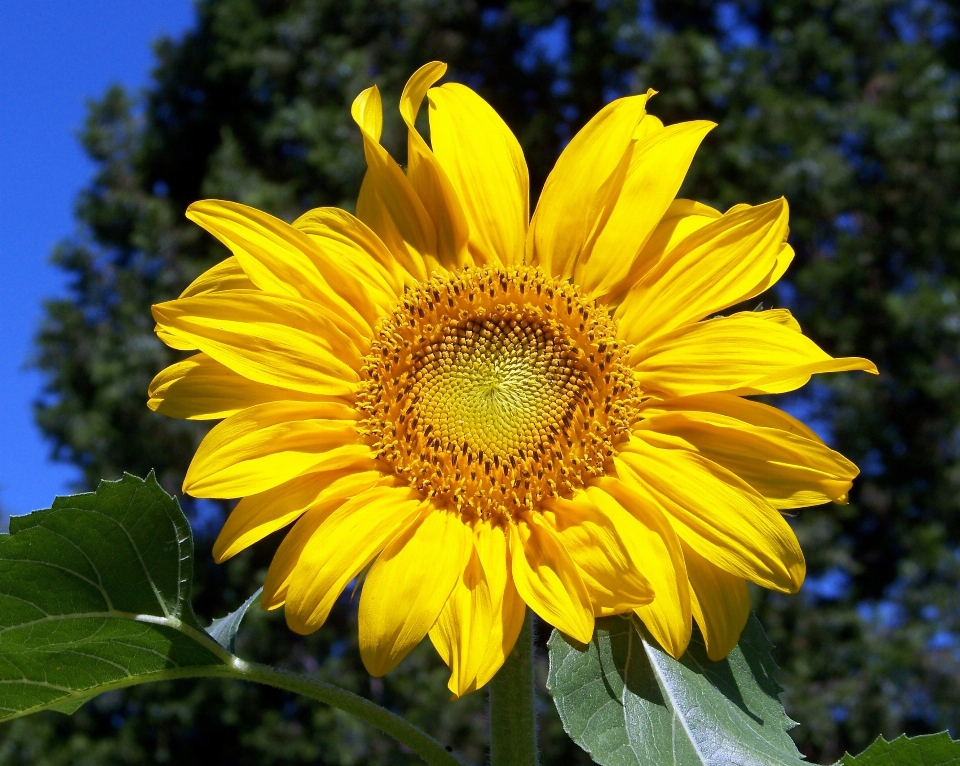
(388, 203)
(504, 631)
(427, 175)
(463, 629)
(481, 620)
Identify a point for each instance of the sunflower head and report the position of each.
(484, 412)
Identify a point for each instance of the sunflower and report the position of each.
(476, 412)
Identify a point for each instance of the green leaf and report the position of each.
(628, 703)
(925, 750)
(72, 705)
(224, 629)
(95, 595)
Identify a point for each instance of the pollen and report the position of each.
(493, 389)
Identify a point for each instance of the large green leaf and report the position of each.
(95, 595)
(628, 703)
(925, 750)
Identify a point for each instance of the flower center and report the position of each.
(493, 389)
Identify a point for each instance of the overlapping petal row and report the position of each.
(688, 508)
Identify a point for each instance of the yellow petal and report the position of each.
(331, 227)
(784, 259)
(781, 317)
(629, 216)
(506, 615)
(504, 631)
(428, 177)
(283, 342)
(285, 560)
(268, 444)
(787, 469)
(716, 513)
(388, 203)
(562, 220)
(647, 126)
(281, 260)
(494, 551)
(783, 380)
(508, 608)
(548, 580)
(348, 256)
(682, 219)
(200, 388)
(721, 604)
(173, 340)
(257, 516)
(645, 528)
(727, 405)
(747, 353)
(367, 112)
(462, 631)
(713, 268)
(481, 620)
(613, 578)
(408, 585)
(226, 275)
(507, 623)
(485, 164)
(324, 552)
(372, 212)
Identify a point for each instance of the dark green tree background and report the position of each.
(849, 108)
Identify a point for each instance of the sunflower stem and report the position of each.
(513, 721)
(431, 751)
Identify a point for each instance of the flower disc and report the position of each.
(493, 389)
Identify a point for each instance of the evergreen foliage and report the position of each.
(849, 108)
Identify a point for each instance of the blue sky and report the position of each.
(54, 56)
